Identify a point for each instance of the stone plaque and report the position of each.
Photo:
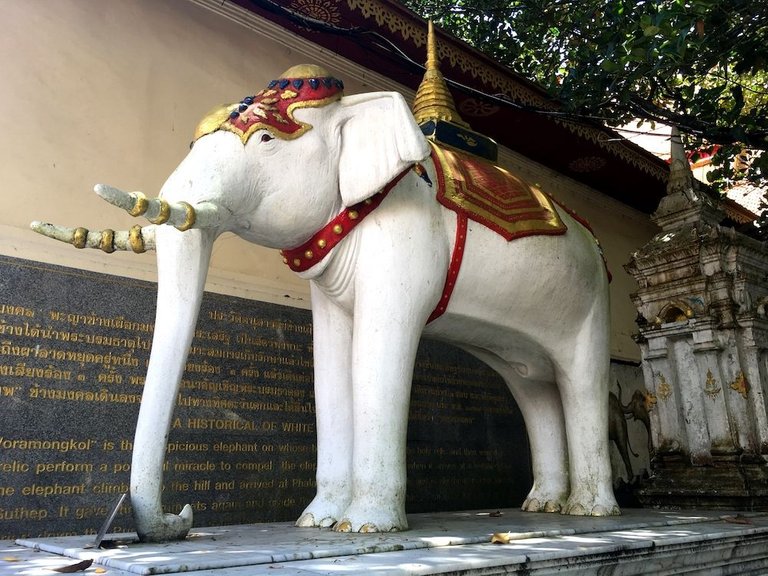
(74, 348)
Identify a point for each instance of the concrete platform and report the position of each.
(638, 542)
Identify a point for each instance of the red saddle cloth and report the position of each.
(493, 196)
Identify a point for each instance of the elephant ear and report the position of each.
(379, 139)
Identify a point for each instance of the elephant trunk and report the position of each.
(183, 255)
(182, 267)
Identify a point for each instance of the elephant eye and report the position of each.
(266, 137)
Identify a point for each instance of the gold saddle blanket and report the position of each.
(493, 196)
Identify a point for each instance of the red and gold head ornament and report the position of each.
(304, 86)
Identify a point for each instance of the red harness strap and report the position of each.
(316, 248)
(453, 267)
(313, 251)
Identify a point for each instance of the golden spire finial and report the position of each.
(432, 61)
(433, 100)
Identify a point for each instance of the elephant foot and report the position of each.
(597, 510)
(370, 521)
(165, 527)
(536, 505)
(591, 507)
(322, 512)
(307, 520)
(545, 499)
(346, 526)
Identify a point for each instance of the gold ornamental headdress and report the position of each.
(303, 86)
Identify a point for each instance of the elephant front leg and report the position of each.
(332, 341)
(383, 359)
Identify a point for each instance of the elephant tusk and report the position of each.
(181, 215)
(137, 239)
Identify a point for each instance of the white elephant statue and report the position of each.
(300, 165)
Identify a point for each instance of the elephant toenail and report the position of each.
(306, 521)
(576, 510)
(343, 526)
(532, 505)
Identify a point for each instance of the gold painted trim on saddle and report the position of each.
(492, 196)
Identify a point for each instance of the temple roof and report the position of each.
(384, 36)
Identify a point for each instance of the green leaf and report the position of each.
(599, 55)
(651, 30)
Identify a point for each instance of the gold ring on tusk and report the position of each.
(164, 212)
(189, 218)
(140, 204)
(80, 237)
(107, 242)
(136, 240)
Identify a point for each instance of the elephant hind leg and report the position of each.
(543, 414)
(583, 385)
(539, 403)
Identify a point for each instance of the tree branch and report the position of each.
(757, 139)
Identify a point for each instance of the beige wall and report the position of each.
(110, 91)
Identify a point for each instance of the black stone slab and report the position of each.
(74, 347)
